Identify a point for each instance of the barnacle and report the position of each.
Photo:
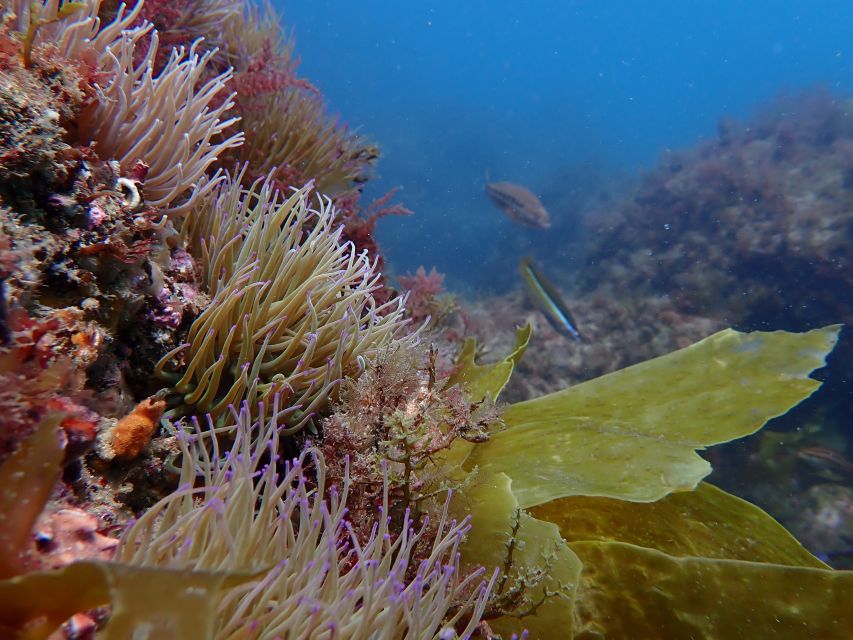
(291, 311)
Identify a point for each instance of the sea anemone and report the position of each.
(293, 137)
(254, 514)
(72, 29)
(172, 122)
(179, 22)
(297, 140)
(292, 310)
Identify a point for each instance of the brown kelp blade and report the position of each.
(27, 477)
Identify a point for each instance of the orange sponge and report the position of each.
(132, 433)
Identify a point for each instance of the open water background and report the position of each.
(561, 96)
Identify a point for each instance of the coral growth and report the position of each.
(38, 376)
(35, 105)
(63, 536)
(81, 231)
(85, 263)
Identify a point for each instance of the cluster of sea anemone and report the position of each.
(237, 287)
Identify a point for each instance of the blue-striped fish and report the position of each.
(518, 203)
(545, 296)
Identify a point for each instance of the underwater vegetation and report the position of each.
(750, 229)
(627, 441)
(426, 299)
(622, 444)
(219, 420)
(210, 561)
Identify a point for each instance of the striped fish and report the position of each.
(545, 296)
(518, 203)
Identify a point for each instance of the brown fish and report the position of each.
(519, 204)
(827, 461)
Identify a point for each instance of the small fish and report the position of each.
(827, 461)
(545, 296)
(518, 203)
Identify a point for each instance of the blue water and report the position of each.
(545, 94)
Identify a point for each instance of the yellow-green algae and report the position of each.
(632, 592)
(489, 379)
(494, 510)
(682, 524)
(633, 434)
(27, 477)
(699, 564)
(603, 459)
(161, 603)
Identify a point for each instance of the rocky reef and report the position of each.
(753, 225)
